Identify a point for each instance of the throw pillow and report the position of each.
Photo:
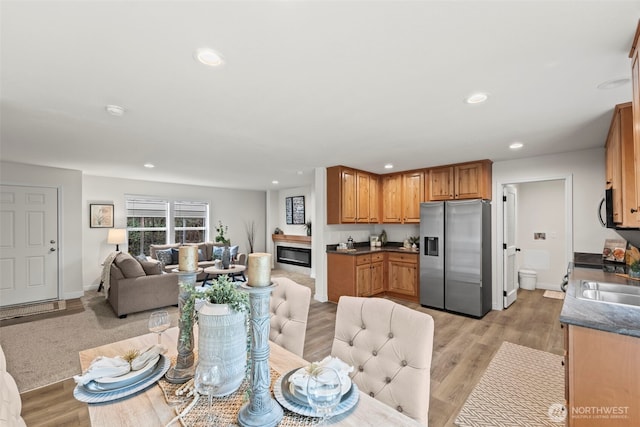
(234, 251)
(151, 268)
(164, 256)
(175, 256)
(129, 266)
(201, 255)
(217, 252)
(141, 257)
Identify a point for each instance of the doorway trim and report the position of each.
(568, 206)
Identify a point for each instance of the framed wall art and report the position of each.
(294, 207)
(100, 216)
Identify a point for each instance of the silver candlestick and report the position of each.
(261, 410)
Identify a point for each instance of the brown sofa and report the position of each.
(205, 255)
(140, 285)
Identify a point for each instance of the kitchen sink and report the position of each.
(611, 293)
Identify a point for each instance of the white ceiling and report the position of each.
(305, 84)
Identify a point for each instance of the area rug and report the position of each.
(553, 294)
(31, 309)
(521, 387)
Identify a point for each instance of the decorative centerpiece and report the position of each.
(261, 410)
(222, 330)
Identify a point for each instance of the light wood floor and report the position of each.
(463, 348)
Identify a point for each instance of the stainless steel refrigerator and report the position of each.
(455, 256)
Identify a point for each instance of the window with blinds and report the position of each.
(190, 221)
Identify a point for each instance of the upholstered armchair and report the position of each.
(390, 347)
(289, 309)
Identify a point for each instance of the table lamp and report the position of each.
(117, 236)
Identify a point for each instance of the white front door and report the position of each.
(28, 244)
(510, 278)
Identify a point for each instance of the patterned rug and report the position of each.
(31, 309)
(521, 387)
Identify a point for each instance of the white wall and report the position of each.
(69, 184)
(586, 170)
(234, 208)
(541, 210)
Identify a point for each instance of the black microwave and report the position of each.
(607, 220)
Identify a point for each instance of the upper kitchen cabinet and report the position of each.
(401, 197)
(620, 167)
(349, 196)
(461, 181)
(635, 99)
(392, 198)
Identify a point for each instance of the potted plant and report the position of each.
(222, 327)
(307, 227)
(634, 269)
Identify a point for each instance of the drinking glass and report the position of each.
(208, 379)
(159, 322)
(324, 391)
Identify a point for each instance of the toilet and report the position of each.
(527, 279)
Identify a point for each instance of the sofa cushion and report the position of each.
(234, 251)
(217, 252)
(116, 273)
(154, 248)
(175, 255)
(151, 267)
(164, 256)
(129, 265)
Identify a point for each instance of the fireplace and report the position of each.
(295, 256)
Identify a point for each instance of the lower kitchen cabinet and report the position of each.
(359, 275)
(402, 278)
(602, 378)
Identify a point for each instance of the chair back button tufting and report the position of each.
(387, 380)
(351, 343)
(360, 368)
(404, 363)
(371, 394)
(390, 334)
(363, 327)
(375, 353)
(399, 408)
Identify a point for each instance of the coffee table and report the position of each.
(231, 271)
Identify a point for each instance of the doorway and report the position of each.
(28, 244)
(541, 225)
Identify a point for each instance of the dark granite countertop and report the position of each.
(619, 319)
(361, 249)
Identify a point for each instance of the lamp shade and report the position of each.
(117, 236)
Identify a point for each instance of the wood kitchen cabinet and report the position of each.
(620, 167)
(354, 275)
(349, 196)
(402, 194)
(402, 276)
(601, 374)
(461, 181)
(392, 198)
(635, 100)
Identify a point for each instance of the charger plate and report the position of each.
(83, 395)
(294, 404)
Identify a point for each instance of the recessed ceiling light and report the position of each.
(516, 145)
(388, 166)
(612, 84)
(275, 181)
(115, 110)
(477, 98)
(208, 57)
(149, 165)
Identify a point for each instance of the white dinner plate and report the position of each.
(346, 385)
(349, 400)
(131, 376)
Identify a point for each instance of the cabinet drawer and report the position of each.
(377, 257)
(400, 257)
(363, 259)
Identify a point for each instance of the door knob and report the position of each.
(52, 241)
(517, 249)
(52, 250)
(634, 210)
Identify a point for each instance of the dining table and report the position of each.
(150, 408)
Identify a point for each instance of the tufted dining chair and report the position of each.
(390, 347)
(289, 309)
(10, 403)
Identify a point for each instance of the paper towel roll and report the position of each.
(259, 269)
(188, 258)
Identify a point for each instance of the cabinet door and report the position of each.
(468, 181)
(629, 184)
(413, 188)
(613, 151)
(374, 199)
(392, 198)
(377, 277)
(363, 280)
(441, 183)
(403, 278)
(349, 196)
(635, 77)
(362, 197)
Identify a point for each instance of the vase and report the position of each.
(222, 332)
(226, 257)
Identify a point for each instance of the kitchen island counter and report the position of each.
(619, 319)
